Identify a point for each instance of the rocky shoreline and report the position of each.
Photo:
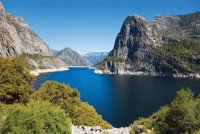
(36, 72)
(39, 71)
(140, 73)
(96, 71)
(99, 130)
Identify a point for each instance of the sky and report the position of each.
(89, 25)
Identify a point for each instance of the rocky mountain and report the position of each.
(17, 39)
(165, 46)
(71, 57)
(94, 57)
(54, 52)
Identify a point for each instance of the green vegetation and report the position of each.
(59, 94)
(183, 47)
(194, 67)
(182, 116)
(69, 100)
(51, 109)
(35, 56)
(84, 114)
(35, 117)
(120, 60)
(15, 81)
(114, 59)
(42, 67)
(185, 52)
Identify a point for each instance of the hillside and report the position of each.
(71, 57)
(165, 46)
(17, 39)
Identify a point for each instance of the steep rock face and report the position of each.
(136, 35)
(139, 47)
(16, 38)
(71, 57)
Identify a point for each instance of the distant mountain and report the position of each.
(71, 57)
(165, 46)
(18, 39)
(94, 57)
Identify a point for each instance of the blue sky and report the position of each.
(89, 25)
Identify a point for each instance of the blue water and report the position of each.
(121, 99)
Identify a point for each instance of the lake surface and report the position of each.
(121, 99)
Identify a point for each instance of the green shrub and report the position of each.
(15, 81)
(59, 94)
(69, 100)
(182, 116)
(84, 114)
(42, 67)
(194, 67)
(34, 56)
(35, 117)
(196, 132)
(114, 59)
(185, 46)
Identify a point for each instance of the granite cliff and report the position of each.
(165, 46)
(17, 39)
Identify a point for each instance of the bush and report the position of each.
(69, 100)
(84, 114)
(115, 59)
(59, 94)
(35, 117)
(42, 67)
(182, 116)
(15, 81)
